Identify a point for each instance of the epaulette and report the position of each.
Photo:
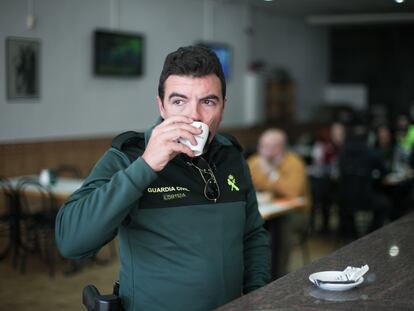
(125, 139)
(233, 140)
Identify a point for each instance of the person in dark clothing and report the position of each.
(189, 230)
(385, 146)
(324, 173)
(398, 184)
(361, 173)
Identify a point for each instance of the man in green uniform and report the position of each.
(190, 234)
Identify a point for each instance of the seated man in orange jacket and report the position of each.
(276, 170)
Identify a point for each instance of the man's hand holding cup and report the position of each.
(177, 134)
(201, 139)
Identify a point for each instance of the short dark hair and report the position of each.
(196, 61)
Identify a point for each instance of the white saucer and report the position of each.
(332, 276)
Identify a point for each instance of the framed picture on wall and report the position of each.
(22, 68)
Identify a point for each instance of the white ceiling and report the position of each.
(305, 8)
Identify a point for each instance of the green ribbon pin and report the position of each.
(231, 181)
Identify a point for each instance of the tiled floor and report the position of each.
(35, 291)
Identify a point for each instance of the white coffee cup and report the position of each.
(201, 139)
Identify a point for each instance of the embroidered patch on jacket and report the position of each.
(231, 181)
(166, 189)
(173, 196)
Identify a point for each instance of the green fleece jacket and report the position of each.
(178, 250)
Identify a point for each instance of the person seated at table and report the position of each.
(323, 172)
(404, 137)
(277, 170)
(385, 145)
(281, 172)
(333, 147)
(398, 183)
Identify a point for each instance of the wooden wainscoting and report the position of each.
(26, 158)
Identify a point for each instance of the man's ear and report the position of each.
(161, 107)
(224, 102)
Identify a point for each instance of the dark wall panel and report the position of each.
(379, 56)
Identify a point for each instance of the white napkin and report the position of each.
(353, 273)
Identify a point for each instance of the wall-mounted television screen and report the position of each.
(118, 53)
(224, 54)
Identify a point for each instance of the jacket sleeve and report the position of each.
(256, 243)
(292, 180)
(91, 216)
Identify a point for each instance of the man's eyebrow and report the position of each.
(174, 94)
(212, 96)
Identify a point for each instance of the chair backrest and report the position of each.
(7, 197)
(7, 216)
(5, 184)
(35, 199)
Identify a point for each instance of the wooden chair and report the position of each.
(7, 217)
(37, 212)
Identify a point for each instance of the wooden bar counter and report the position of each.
(389, 284)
